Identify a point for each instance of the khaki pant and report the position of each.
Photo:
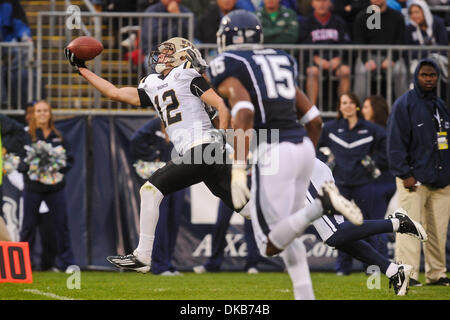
(4, 234)
(432, 209)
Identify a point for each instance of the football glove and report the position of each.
(73, 60)
(240, 194)
(195, 58)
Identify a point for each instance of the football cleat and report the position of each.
(400, 280)
(129, 262)
(334, 203)
(409, 226)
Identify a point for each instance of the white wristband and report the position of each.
(311, 114)
(241, 105)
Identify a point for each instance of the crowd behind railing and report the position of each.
(368, 48)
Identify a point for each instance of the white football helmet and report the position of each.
(170, 54)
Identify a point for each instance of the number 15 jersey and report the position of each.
(270, 77)
(176, 98)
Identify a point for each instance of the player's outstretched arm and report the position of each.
(309, 116)
(126, 95)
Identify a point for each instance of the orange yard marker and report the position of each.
(15, 265)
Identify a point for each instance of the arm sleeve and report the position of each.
(398, 139)
(144, 98)
(198, 86)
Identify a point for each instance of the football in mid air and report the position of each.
(85, 48)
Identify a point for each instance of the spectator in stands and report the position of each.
(279, 24)
(323, 27)
(389, 31)
(12, 140)
(351, 139)
(42, 128)
(418, 134)
(348, 9)
(151, 33)
(151, 144)
(219, 242)
(209, 23)
(14, 28)
(376, 109)
(424, 28)
(294, 5)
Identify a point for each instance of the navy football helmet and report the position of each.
(240, 29)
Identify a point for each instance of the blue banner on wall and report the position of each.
(103, 198)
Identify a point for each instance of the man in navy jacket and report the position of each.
(419, 157)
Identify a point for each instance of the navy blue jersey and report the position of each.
(270, 77)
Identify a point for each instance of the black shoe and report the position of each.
(400, 280)
(334, 203)
(414, 283)
(130, 262)
(441, 282)
(409, 226)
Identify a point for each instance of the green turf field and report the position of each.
(212, 286)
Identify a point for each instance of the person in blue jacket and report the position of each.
(151, 144)
(42, 128)
(418, 152)
(355, 144)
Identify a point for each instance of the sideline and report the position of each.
(48, 294)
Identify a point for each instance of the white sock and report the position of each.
(294, 225)
(392, 270)
(294, 258)
(151, 198)
(395, 224)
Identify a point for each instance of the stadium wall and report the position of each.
(103, 199)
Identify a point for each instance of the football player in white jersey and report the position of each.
(178, 93)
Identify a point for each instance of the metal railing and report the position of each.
(123, 63)
(120, 63)
(389, 82)
(16, 76)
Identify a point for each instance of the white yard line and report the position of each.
(47, 294)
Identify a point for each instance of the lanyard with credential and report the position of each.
(438, 119)
(442, 140)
